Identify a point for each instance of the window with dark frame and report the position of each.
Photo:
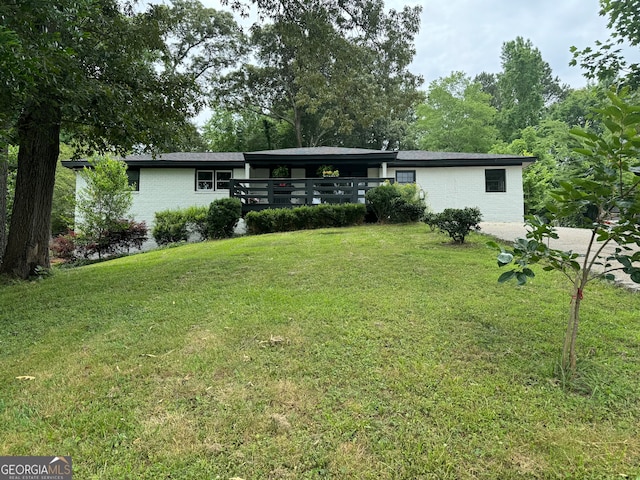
(222, 180)
(133, 174)
(210, 180)
(204, 180)
(405, 176)
(495, 180)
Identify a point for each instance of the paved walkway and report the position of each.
(575, 239)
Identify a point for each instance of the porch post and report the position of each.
(247, 170)
(384, 169)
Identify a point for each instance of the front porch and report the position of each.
(263, 193)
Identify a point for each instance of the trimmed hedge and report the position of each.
(171, 226)
(305, 218)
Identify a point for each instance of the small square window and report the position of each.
(222, 180)
(204, 180)
(134, 178)
(495, 180)
(406, 176)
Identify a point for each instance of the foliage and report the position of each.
(525, 87)
(395, 203)
(304, 218)
(607, 200)
(456, 117)
(222, 217)
(196, 218)
(458, 223)
(327, 68)
(108, 75)
(244, 131)
(280, 171)
(551, 143)
(576, 109)
(103, 203)
(64, 195)
(172, 226)
(606, 60)
(118, 237)
(63, 246)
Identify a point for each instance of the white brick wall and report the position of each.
(460, 187)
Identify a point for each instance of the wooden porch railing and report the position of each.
(262, 193)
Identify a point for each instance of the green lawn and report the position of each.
(370, 352)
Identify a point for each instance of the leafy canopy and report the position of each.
(456, 117)
(327, 67)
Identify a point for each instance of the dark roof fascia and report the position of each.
(496, 162)
(175, 160)
(322, 155)
(450, 159)
(79, 164)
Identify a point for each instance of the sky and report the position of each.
(467, 35)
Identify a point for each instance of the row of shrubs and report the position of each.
(305, 218)
(218, 220)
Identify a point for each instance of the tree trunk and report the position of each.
(297, 125)
(30, 228)
(4, 176)
(571, 335)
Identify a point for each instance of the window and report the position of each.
(210, 180)
(222, 180)
(495, 180)
(204, 180)
(134, 178)
(406, 176)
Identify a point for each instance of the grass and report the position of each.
(368, 352)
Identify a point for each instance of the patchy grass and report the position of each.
(369, 352)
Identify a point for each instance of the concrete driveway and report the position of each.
(575, 239)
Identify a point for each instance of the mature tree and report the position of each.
(610, 188)
(246, 131)
(110, 77)
(489, 83)
(326, 67)
(606, 60)
(552, 144)
(576, 109)
(456, 117)
(526, 86)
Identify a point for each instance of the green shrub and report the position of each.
(196, 218)
(458, 223)
(170, 226)
(395, 203)
(173, 226)
(306, 217)
(222, 217)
